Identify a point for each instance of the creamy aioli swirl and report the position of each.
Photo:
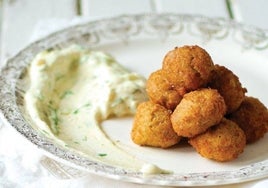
(73, 90)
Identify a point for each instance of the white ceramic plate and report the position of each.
(140, 43)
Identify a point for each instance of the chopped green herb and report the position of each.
(76, 142)
(81, 107)
(66, 93)
(54, 116)
(50, 49)
(102, 154)
(76, 111)
(55, 120)
(87, 105)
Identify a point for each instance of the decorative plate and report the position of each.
(139, 42)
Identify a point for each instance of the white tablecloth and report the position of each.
(20, 160)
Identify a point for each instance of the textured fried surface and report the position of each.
(252, 117)
(190, 97)
(190, 67)
(223, 142)
(197, 111)
(229, 86)
(161, 91)
(152, 126)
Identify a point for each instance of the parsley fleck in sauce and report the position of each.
(73, 90)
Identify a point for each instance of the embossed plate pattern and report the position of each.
(145, 39)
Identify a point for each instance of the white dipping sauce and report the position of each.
(73, 90)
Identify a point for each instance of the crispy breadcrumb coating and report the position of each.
(252, 117)
(229, 86)
(161, 91)
(223, 142)
(197, 111)
(152, 126)
(191, 98)
(189, 67)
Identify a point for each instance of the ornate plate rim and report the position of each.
(11, 114)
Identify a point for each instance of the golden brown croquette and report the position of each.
(229, 86)
(161, 91)
(191, 98)
(252, 117)
(152, 126)
(189, 67)
(197, 111)
(223, 142)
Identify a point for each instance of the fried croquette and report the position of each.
(223, 142)
(152, 126)
(197, 111)
(189, 67)
(229, 86)
(191, 98)
(161, 91)
(252, 117)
